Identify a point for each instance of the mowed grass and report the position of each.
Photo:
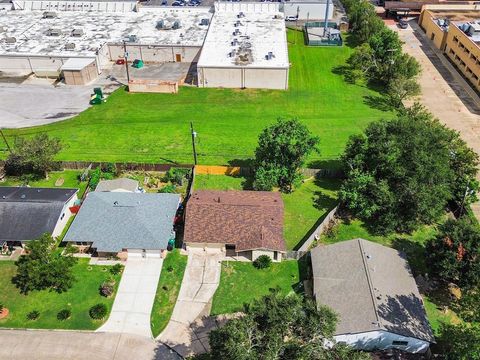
(241, 283)
(79, 299)
(70, 177)
(167, 291)
(305, 208)
(156, 127)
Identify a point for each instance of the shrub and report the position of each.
(170, 189)
(33, 315)
(262, 262)
(109, 168)
(116, 269)
(170, 268)
(106, 289)
(98, 312)
(64, 314)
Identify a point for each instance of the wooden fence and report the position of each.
(125, 166)
(315, 235)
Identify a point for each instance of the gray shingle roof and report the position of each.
(27, 213)
(371, 287)
(114, 221)
(117, 184)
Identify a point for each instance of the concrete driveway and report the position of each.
(74, 345)
(187, 331)
(134, 300)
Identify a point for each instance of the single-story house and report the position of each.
(372, 289)
(27, 213)
(240, 223)
(124, 224)
(118, 185)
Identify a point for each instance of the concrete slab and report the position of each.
(134, 300)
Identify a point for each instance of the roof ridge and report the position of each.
(370, 285)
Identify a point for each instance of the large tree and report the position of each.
(44, 268)
(281, 153)
(280, 327)
(363, 20)
(459, 342)
(454, 255)
(33, 155)
(402, 172)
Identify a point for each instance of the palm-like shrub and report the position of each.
(98, 312)
(64, 314)
(262, 262)
(33, 315)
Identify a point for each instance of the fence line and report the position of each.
(319, 230)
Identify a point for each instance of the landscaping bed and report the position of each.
(167, 291)
(79, 299)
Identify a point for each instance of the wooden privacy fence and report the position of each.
(126, 166)
(217, 170)
(315, 235)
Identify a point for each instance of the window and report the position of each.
(452, 52)
(462, 63)
(474, 58)
(475, 77)
(468, 70)
(400, 343)
(61, 217)
(455, 39)
(467, 51)
(432, 37)
(461, 46)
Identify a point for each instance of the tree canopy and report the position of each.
(280, 327)
(459, 342)
(402, 172)
(454, 255)
(33, 155)
(43, 268)
(281, 153)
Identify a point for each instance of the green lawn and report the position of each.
(167, 291)
(70, 181)
(241, 282)
(304, 208)
(156, 127)
(83, 295)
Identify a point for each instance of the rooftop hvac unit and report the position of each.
(176, 25)
(160, 24)
(132, 38)
(231, 54)
(53, 32)
(49, 14)
(10, 40)
(77, 32)
(237, 23)
(237, 32)
(269, 56)
(235, 42)
(241, 14)
(205, 22)
(70, 46)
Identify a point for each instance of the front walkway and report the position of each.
(187, 331)
(134, 300)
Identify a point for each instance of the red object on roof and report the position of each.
(120, 62)
(74, 209)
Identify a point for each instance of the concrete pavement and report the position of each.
(187, 331)
(72, 345)
(135, 296)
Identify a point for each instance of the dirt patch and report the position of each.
(4, 313)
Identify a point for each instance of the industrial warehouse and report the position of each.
(236, 45)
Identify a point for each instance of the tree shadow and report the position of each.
(332, 164)
(327, 183)
(379, 102)
(414, 252)
(244, 163)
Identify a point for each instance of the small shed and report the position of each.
(79, 71)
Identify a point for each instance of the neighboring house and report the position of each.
(124, 224)
(27, 213)
(372, 290)
(118, 185)
(241, 223)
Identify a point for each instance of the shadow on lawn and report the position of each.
(379, 102)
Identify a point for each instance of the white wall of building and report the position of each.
(107, 6)
(64, 216)
(252, 78)
(381, 340)
(308, 10)
(155, 54)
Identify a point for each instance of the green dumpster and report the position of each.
(138, 64)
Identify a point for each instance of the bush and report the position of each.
(169, 189)
(98, 312)
(107, 289)
(116, 269)
(262, 262)
(64, 314)
(33, 315)
(109, 168)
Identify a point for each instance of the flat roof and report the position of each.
(74, 64)
(260, 30)
(30, 29)
(474, 26)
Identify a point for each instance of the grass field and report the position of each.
(241, 282)
(167, 291)
(70, 181)
(83, 295)
(304, 208)
(156, 127)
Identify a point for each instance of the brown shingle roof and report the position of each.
(249, 219)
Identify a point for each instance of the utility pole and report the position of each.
(6, 142)
(296, 25)
(125, 56)
(194, 135)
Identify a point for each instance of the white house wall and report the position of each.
(381, 340)
(311, 11)
(62, 222)
(243, 78)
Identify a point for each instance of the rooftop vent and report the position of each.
(205, 22)
(160, 24)
(70, 46)
(241, 14)
(10, 40)
(77, 32)
(237, 23)
(132, 38)
(237, 32)
(231, 53)
(269, 56)
(53, 32)
(235, 42)
(176, 25)
(49, 15)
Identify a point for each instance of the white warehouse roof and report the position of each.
(27, 31)
(244, 34)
